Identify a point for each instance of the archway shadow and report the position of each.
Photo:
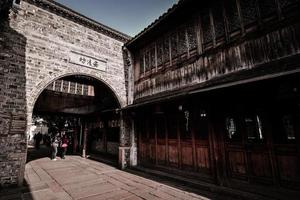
(33, 154)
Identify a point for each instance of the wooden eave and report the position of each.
(286, 66)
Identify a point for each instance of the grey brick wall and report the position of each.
(35, 50)
(12, 105)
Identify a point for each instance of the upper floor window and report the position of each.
(142, 63)
(267, 7)
(147, 60)
(192, 36)
(166, 49)
(218, 21)
(182, 42)
(174, 45)
(206, 28)
(160, 52)
(249, 11)
(286, 3)
(232, 16)
(152, 57)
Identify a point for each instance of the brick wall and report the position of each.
(35, 50)
(12, 105)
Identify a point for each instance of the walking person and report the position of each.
(38, 138)
(64, 145)
(54, 146)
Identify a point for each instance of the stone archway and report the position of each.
(85, 110)
(36, 91)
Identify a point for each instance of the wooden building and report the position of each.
(216, 93)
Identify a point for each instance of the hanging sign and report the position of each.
(87, 61)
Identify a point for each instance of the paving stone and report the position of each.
(92, 190)
(72, 179)
(115, 195)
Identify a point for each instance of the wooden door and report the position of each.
(172, 145)
(247, 154)
(161, 136)
(200, 132)
(286, 144)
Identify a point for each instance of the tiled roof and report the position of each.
(157, 21)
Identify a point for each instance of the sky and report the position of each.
(127, 16)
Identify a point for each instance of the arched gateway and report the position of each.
(44, 43)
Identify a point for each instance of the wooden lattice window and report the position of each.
(147, 60)
(142, 64)
(249, 11)
(182, 44)
(58, 85)
(85, 90)
(206, 28)
(166, 49)
(174, 45)
(266, 7)
(152, 57)
(192, 36)
(232, 16)
(218, 21)
(65, 86)
(160, 52)
(79, 89)
(72, 88)
(286, 3)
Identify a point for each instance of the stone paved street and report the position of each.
(79, 178)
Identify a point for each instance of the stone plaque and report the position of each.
(87, 61)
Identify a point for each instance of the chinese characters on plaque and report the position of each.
(87, 61)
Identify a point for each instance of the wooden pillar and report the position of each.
(75, 140)
(85, 132)
(179, 143)
(219, 150)
(167, 140)
(155, 131)
(213, 150)
(140, 128)
(194, 142)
